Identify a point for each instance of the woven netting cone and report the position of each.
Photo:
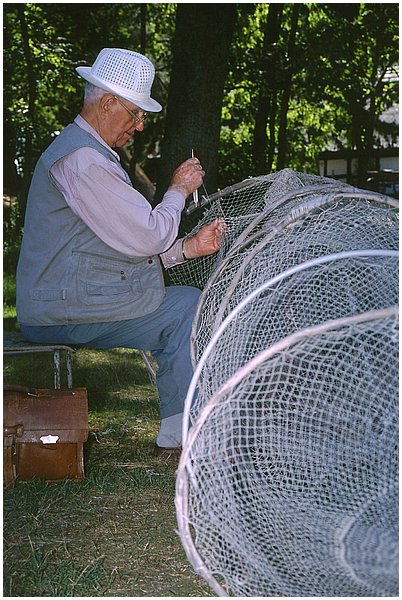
(288, 478)
(287, 484)
(274, 222)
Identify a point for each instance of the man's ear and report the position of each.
(106, 104)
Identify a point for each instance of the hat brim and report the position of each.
(141, 100)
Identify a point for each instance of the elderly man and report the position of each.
(89, 270)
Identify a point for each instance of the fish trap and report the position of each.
(287, 482)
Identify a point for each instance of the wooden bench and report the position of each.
(16, 343)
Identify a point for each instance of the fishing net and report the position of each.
(288, 478)
(287, 484)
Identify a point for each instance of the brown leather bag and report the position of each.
(44, 434)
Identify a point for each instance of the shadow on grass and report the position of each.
(114, 534)
(114, 378)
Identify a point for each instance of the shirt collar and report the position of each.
(81, 122)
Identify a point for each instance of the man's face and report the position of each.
(123, 123)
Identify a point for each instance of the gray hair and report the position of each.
(92, 93)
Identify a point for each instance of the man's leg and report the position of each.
(166, 333)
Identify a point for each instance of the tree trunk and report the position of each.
(29, 150)
(366, 162)
(200, 64)
(283, 117)
(359, 121)
(263, 147)
(143, 32)
(138, 140)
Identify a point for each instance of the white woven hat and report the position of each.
(125, 73)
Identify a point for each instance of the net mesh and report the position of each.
(256, 203)
(287, 481)
(290, 478)
(343, 285)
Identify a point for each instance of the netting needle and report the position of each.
(195, 194)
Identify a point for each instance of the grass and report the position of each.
(114, 534)
(9, 296)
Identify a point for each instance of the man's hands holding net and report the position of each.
(206, 241)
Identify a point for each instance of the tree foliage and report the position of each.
(297, 79)
(318, 71)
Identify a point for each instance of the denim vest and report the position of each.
(65, 273)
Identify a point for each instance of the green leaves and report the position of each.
(337, 77)
(340, 83)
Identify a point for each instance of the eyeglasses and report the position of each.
(133, 114)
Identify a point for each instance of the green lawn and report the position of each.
(114, 534)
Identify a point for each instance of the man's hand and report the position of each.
(206, 241)
(187, 177)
